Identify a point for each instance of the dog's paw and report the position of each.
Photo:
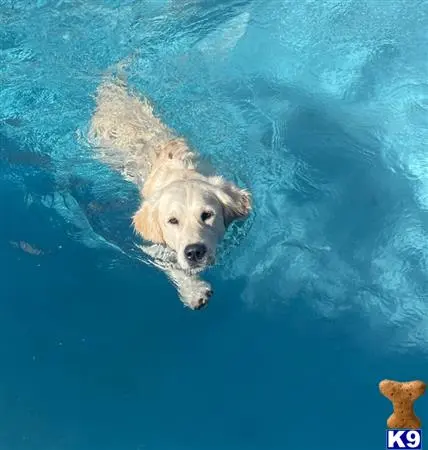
(197, 295)
(202, 299)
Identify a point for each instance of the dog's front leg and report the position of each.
(193, 291)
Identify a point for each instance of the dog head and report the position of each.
(191, 216)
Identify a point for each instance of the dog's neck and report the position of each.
(173, 161)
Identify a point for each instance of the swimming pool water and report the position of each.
(321, 109)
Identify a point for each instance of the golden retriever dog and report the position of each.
(185, 208)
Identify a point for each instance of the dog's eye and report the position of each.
(173, 221)
(206, 215)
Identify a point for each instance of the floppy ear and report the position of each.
(236, 201)
(146, 223)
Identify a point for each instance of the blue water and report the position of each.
(321, 109)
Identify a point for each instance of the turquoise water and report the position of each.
(321, 109)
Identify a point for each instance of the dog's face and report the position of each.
(191, 216)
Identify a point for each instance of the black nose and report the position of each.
(195, 252)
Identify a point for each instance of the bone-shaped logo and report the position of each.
(402, 396)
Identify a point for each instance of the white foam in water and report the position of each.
(226, 37)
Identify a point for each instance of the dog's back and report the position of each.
(125, 130)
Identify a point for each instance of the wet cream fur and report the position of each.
(173, 185)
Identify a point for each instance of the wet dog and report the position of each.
(185, 208)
